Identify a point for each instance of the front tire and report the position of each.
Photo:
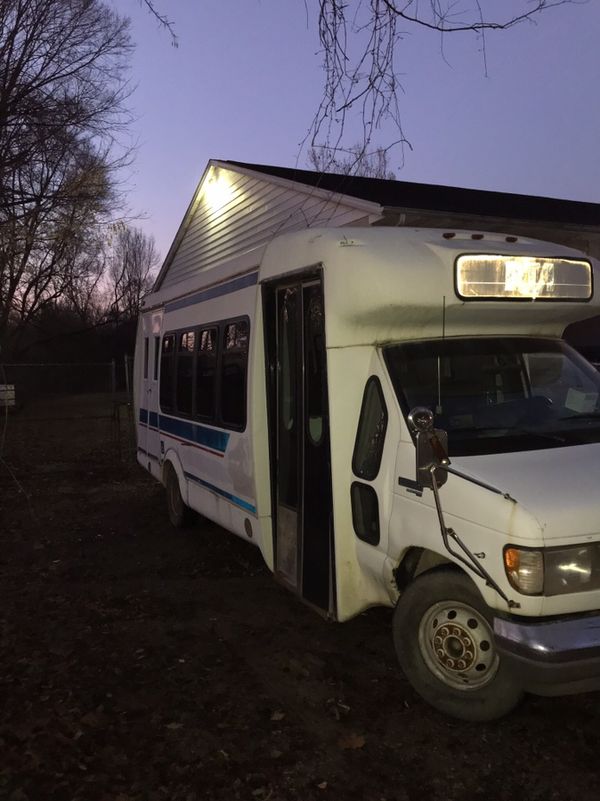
(445, 645)
(180, 515)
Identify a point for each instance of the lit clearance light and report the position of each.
(218, 192)
(490, 277)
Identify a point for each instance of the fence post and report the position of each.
(126, 360)
(113, 378)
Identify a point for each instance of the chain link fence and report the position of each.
(66, 411)
(34, 384)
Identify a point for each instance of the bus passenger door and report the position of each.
(149, 400)
(299, 440)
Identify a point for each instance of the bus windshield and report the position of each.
(499, 394)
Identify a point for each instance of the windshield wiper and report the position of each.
(583, 416)
(512, 430)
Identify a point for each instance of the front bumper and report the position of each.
(551, 657)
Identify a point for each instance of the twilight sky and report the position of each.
(245, 82)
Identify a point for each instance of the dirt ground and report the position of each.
(142, 664)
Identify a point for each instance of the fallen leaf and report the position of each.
(174, 726)
(297, 668)
(278, 715)
(351, 741)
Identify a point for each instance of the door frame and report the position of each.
(270, 288)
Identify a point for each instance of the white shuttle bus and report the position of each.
(391, 416)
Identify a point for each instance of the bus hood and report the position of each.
(560, 487)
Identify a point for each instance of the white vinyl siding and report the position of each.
(256, 211)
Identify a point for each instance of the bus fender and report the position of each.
(415, 561)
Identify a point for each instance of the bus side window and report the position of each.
(314, 348)
(372, 425)
(166, 373)
(146, 346)
(234, 369)
(206, 374)
(365, 512)
(156, 357)
(366, 461)
(184, 385)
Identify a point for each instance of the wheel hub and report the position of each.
(454, 647)
(457, 645)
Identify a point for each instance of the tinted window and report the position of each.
(145, 357)
(314, 362)
(185, 372)
(156, 356)
(166, 373)
(370, 436)
(234, 362)
(206, 373)
(365, 512)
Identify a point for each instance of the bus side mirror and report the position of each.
(432, 448)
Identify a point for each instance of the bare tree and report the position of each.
(360, 42)
(131, 271)
(62, 94)
(47, 245)
(355, 160)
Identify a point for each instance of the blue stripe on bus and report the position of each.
(214, 292)
(192, 432)
(186, 430)
(149, 418)
(223, 493)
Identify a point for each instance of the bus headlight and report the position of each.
(571, 569)
(553, 571)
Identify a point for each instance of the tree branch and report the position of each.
(360, 44)
(164, 21)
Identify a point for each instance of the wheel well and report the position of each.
(416, 561)
(167, 465)
(173, 464)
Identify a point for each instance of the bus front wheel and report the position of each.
(180, 515)
(444, 642)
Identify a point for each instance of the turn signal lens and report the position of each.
(525, 570)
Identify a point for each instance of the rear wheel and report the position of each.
(445, 645)
(180, 515)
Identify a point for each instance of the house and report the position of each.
(238, 208)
